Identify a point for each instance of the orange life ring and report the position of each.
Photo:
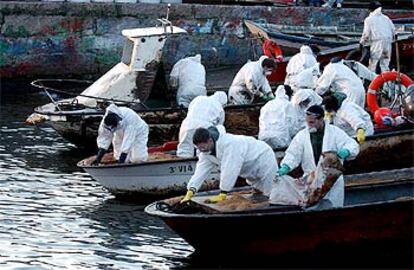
(378, 82)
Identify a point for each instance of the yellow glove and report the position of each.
(218, 198)
(187, 196)
(361, 135)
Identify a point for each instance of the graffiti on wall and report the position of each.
(49, 43)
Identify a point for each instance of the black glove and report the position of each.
(99, 156)
(122, 157)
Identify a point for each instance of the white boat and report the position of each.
(162, 175)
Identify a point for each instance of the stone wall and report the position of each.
(62, 39)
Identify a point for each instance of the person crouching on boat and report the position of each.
(306, 58)
(348, 116)
(128, 133)
(278, 119)
(235, 155)
(378, 33)
(202, 112)
(341, 78)
(189, 76)
(305, 150)
(251, 82)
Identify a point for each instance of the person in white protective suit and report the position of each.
(301, 101)
(203, 112)
(251, 81)
(306, 148)
(189, 76)
(341, 78)
(306, 79)
(378, 33)
(278, 119)
(306, 58)
(235, 155)
(348, 116)
(128, 133)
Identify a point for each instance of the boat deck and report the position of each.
(220, 79)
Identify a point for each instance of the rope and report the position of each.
(46, 88)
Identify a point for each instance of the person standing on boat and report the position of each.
(203, 112)
(301, 101)
(378, 33)
(189, 76)
(128, 133)
(306, 149)
(308, 145)
(234, 155)
(251, 82)
(348, 116)
(306, 58)
(278, 119)
(340, 78)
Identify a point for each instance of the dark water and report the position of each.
(54, 216)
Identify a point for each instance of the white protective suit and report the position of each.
(190, 77)
(203, 112)
(378, 33)
(300, 152)
(277, 120)
(249, 81)
(306, 79)
(299, 97)
(342, 79)
(237, 155)
(130, 136)
(350, 117)
(298, 63)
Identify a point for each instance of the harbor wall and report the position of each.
(67, 39)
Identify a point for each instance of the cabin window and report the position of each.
(127, 52)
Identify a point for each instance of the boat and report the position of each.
(159, 178)
(130, 83)
(378, 211)
(138, 82)
(326, 37)
(342, 41)
(162, 175)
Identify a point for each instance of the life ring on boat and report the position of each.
(376, 84)
(272, 50)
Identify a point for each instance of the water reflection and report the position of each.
(54, 216)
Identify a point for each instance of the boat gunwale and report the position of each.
(151, 208)
(122, 165)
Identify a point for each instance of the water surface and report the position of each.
(54, 216)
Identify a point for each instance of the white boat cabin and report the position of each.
(141, 55)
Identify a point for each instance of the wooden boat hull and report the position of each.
(376, 212)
